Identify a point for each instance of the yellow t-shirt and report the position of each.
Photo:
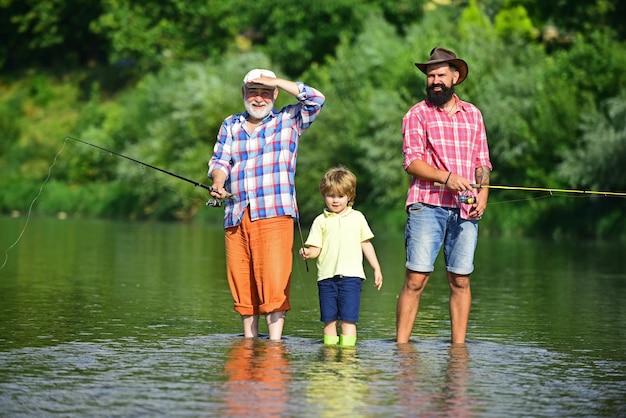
(340, 238)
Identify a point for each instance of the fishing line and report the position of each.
(300, 231)
(544, 189)
(546, 196)
(211, 202)
(306, 263)
(303, 282)
(302, 242)
(30, 208)
(492, 203)
(468, 198)
(568, 193)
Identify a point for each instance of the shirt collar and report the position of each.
(329, 214)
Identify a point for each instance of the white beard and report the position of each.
(256, 112)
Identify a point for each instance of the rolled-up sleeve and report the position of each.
(312, 101)
(221, 151)
(413, 145)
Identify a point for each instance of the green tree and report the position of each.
(565, 18)
(546, 106)
(360, 126)
(514, 24)
(150, 34)
(48, 33)
(305, 33)
(597, 161)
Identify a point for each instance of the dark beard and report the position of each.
(439, 98)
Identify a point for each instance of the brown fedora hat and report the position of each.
(439, 55)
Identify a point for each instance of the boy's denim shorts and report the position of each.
(340, 298)
(428, 228)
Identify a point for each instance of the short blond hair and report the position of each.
(341, 181)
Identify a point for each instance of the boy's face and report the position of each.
(336, 203)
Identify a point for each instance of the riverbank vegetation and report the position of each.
(155, 80)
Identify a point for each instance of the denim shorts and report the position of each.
(428, 228)
(340, 298)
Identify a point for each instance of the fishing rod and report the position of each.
(469, 199)
(211, 202)
(543, 189)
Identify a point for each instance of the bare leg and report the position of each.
(348, 328)
(250, 325)
(330, 333)
(330, 328)
(408, 304)
(275, 322)
(460, 303)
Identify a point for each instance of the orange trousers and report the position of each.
(258, 263)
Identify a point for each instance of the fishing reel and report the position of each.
(467, 198)
(215, 203)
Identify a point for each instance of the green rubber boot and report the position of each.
(331, 339)
(347, 340)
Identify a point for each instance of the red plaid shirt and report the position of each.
(455, 143)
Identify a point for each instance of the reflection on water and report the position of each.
(258, 376)
(226, 375)
(449, 396)
(453, 398)
(114, 319)
(338, 386)
(456, 399)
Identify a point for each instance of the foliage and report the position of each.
(147, 35)
(305, 33)
(554, 115)
(151, 34)
(560, 19)
(49, 33)
(596, 163)
(514, 24)
(359, 126)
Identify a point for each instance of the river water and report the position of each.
(115, 319)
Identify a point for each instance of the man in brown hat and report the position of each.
(446, 154)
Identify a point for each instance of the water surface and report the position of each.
(101, 318)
